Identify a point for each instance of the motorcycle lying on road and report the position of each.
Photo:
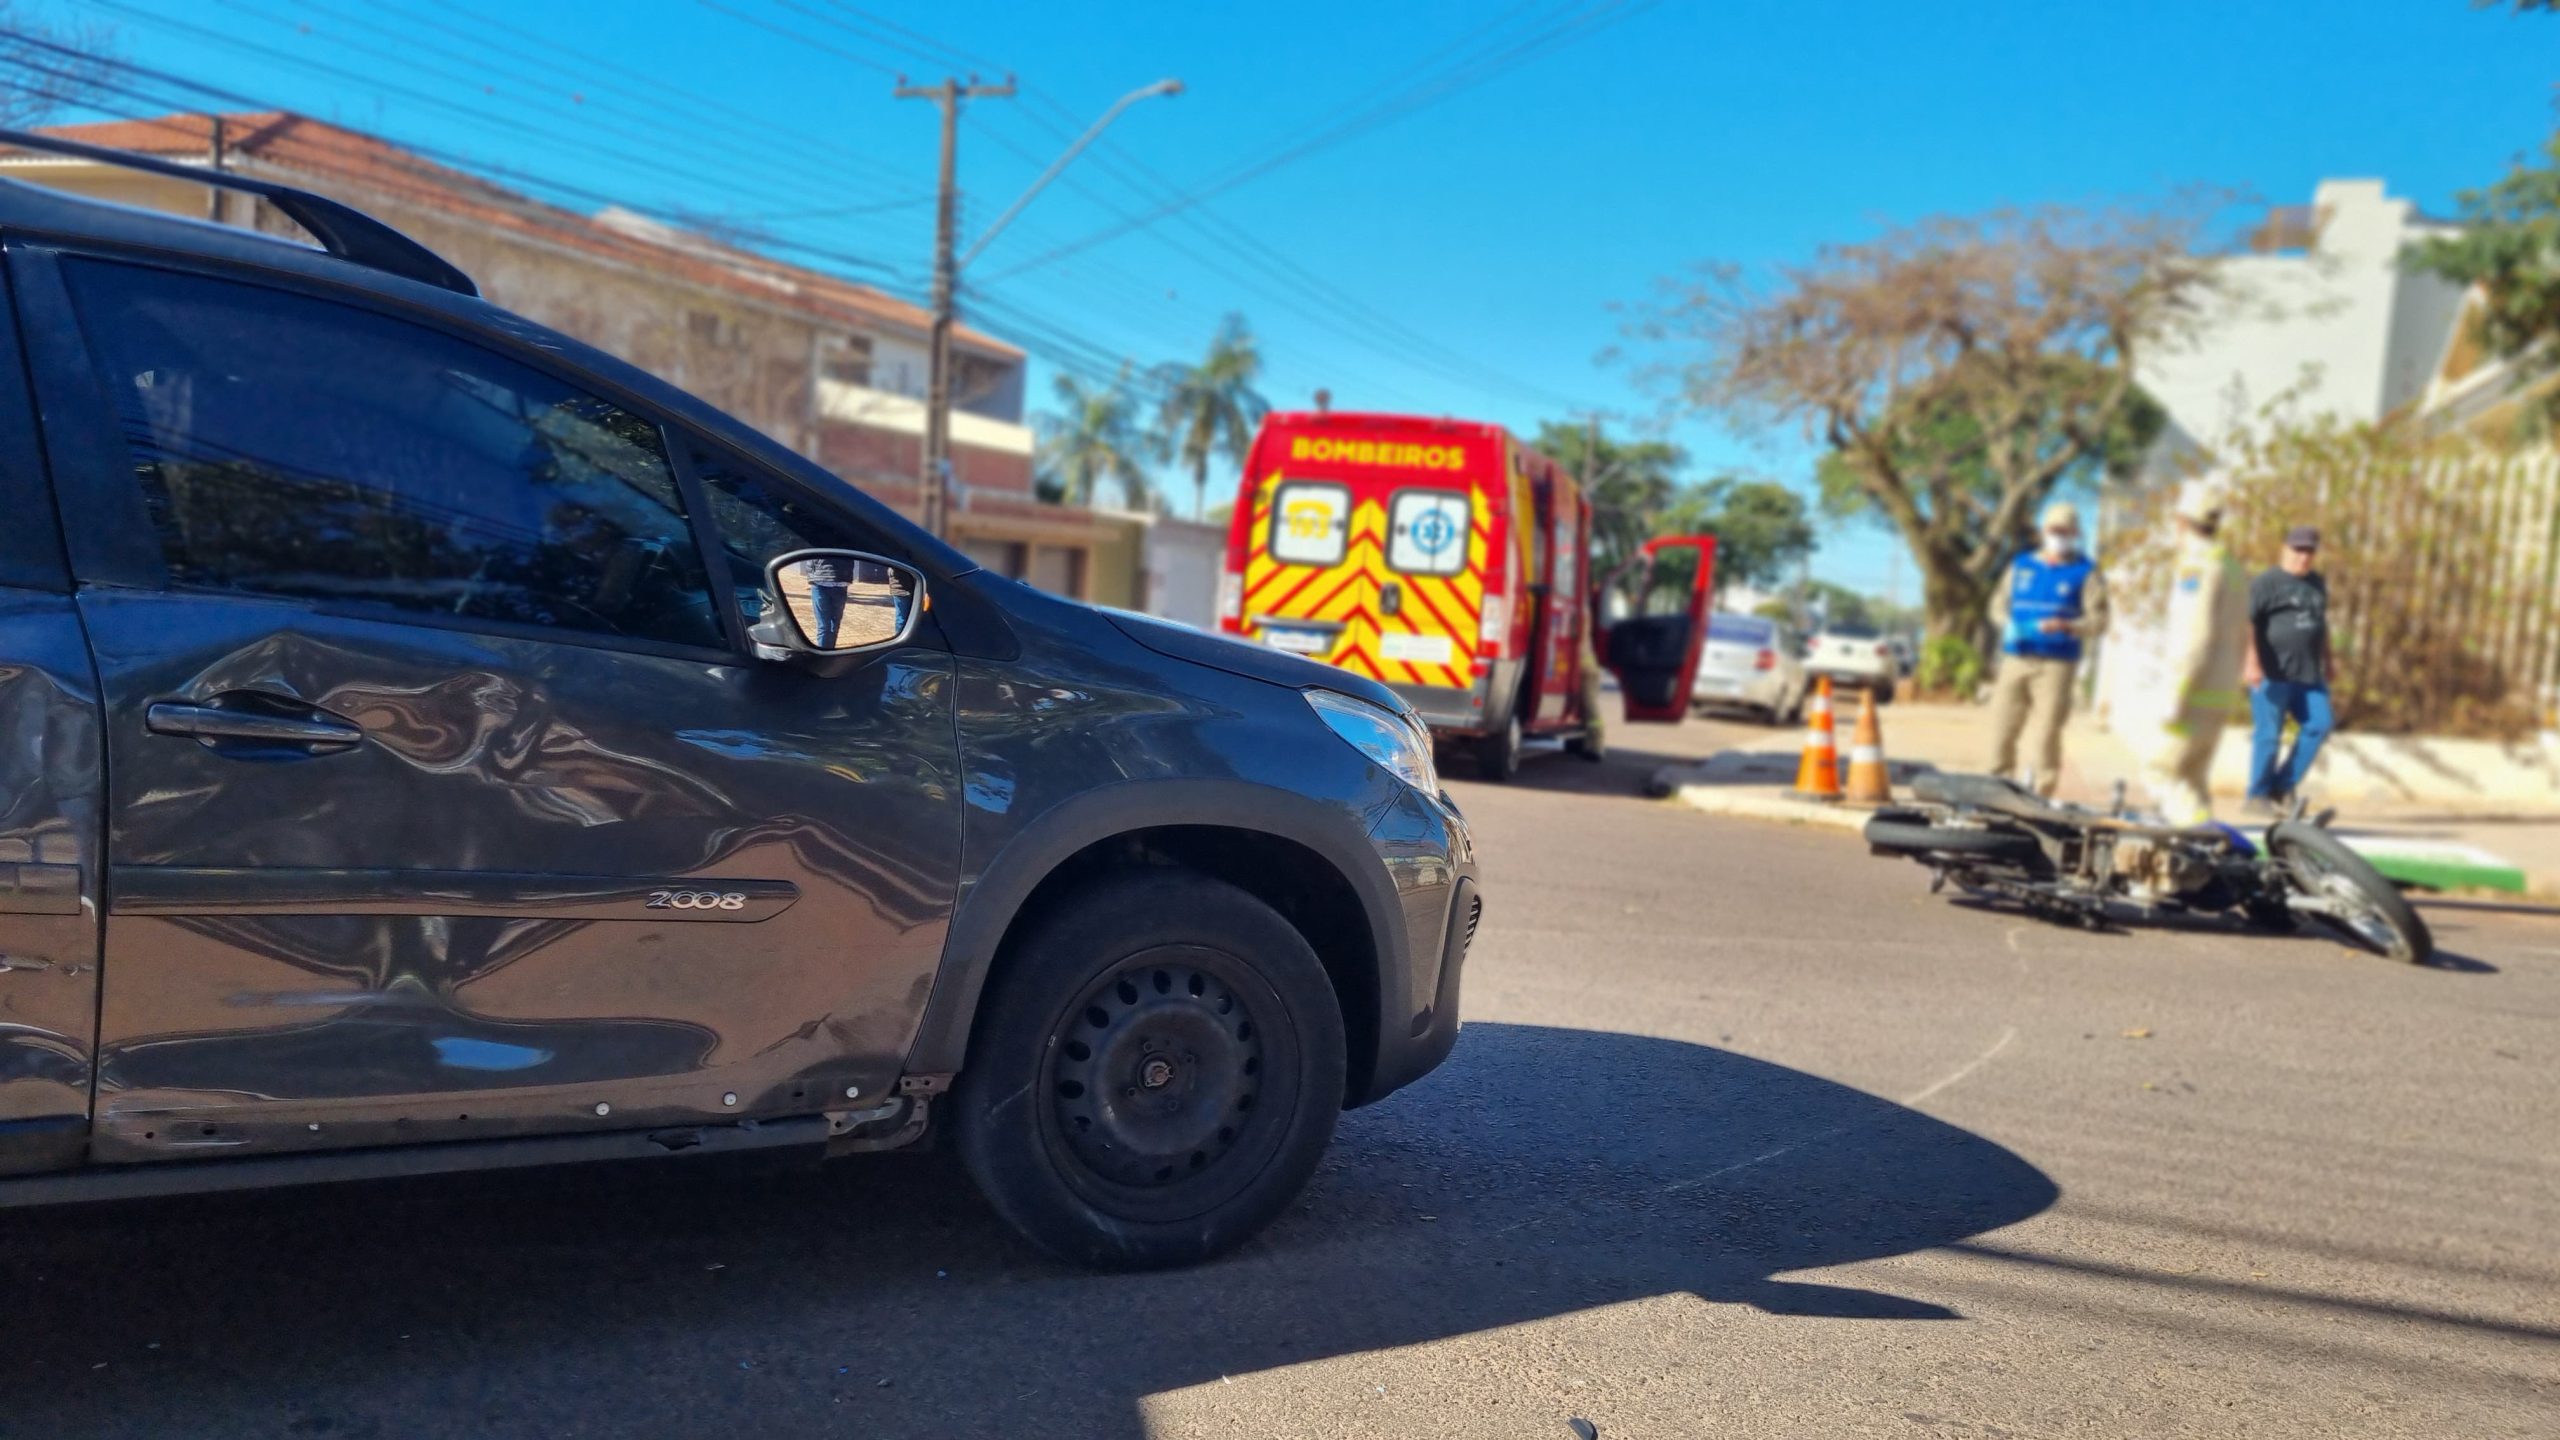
(1997, 840)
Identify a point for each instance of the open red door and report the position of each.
(1654, 652)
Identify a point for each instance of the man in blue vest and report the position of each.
(2052, 604)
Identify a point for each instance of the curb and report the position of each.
(1753, 803)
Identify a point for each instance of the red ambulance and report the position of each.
(1450, 560)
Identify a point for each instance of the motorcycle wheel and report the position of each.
(2375, 914)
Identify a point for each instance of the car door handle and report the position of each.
(209, 722)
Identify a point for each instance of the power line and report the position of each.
(192, 95)
(1307, 293)
(1414, 98)
(744, 125)
(545, 183)
(932, 51)
(836, 50)
(548, 76)
(657, 166)
(1292, 287)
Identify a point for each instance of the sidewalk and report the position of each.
(2452, 814)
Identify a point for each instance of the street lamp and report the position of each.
(1093, 132)
(946, 271)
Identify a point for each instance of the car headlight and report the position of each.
(1397, 744)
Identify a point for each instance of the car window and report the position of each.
(757, 520)
(1427, 534)
(1739, 630)
(1310, 523)
(291, 446)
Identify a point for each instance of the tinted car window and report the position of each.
(1740, 629)
(289, 446)
(758, 520)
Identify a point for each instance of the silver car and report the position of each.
(1750, 664)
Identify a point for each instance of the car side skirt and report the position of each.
(200, 1177)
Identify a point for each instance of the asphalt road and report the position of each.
(1747, 1135)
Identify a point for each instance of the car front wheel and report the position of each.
(1154, 1075)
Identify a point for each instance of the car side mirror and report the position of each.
(836, 602)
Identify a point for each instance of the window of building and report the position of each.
(846, 359)
(291, 446)
(997, 557)
(1058, 569)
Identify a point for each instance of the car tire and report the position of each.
(1153, 1075)
(1884, 693)
(1498, 754)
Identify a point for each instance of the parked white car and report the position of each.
(1750, 664)
(1855, 657)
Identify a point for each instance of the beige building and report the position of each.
(832, 369)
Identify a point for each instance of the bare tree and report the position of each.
(38, 79)
(1959, 369)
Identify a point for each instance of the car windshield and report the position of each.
(1850, 632)
(1739, 629)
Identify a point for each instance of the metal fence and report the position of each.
(2444, 577)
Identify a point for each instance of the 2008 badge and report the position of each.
(697, 900)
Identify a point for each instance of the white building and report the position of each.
(2321, 320)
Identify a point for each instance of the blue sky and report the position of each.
(1462, 257)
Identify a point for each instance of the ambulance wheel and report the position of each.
(1498, 755)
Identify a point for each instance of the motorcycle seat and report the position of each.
(2006, 797)
(1985, 792)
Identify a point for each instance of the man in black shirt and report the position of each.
(2288, 668)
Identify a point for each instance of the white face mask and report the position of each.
(2060, 547)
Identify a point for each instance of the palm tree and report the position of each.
(1094, 437)
(1211, 409)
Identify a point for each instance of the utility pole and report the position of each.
(935, 475)
(213, 201)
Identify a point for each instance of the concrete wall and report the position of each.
(2336, 330)
(1184, 559)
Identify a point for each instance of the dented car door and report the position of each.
(446, 800)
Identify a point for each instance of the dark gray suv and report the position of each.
(431, 744)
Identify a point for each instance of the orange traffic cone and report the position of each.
(1870, 783)
(1818, 774)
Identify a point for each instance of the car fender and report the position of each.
(990, 901)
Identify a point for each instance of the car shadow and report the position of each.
(1622, 771)
(1541, 1172)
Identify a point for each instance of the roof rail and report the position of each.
(342, 230)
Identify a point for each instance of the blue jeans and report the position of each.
(2270, 705)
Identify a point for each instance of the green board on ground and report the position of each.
(2438, 864)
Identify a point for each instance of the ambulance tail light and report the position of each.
(1768, 660)
(1495, 628)
(1231, 601)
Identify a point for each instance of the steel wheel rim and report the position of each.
(1163, 1100)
